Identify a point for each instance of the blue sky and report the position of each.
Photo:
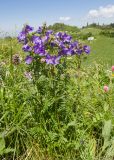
(14, 13)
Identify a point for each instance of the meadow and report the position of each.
(102, 48)
(60, 112)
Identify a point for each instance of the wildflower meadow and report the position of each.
(56, 103)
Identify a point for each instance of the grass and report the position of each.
(102, 50)
(94, 31)
(64, 116)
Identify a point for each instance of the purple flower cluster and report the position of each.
(22, 37)
(45, 43)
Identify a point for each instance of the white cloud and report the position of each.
(106, 12)
(64, 18)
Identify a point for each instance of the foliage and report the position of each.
(100, 26)
(84, 36)
(63, 27)
(107, 33)
(55, 111)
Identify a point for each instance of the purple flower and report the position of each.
(79, 51)
(74, 44)
(66, 38)
(66, 51)
(45, 39)
(37, 40)
(21, 36)
(28, 29)
(27, 48)
(61, 44)
(86, 49)
(52, 59)
(39, 30)
(49, 32)
(77, 48)
(58, 35)
(39, 50)
(56, 59)
(36, 49)
(28, 60)
(42, 52)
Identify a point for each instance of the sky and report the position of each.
(15, 13)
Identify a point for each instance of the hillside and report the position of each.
(63, 27)
(102, 47)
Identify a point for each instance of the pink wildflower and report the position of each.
(106, 88)
(112, 68)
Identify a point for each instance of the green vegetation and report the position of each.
(62, 27)
(102, 47)
(69, 117)
(102, 50)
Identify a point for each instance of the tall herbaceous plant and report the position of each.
(46, 56)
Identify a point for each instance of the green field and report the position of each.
(63, 112)
(102, 48)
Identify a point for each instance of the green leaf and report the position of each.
(7, 150)
(2, 143)
(73, 123)
(106, 107)
(107, 129)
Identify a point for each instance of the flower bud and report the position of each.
(113, 68)
(106, 88)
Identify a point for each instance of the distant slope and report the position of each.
(63, 27)
(94, 31)
(102, 50)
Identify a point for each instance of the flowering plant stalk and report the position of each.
(47, 53)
